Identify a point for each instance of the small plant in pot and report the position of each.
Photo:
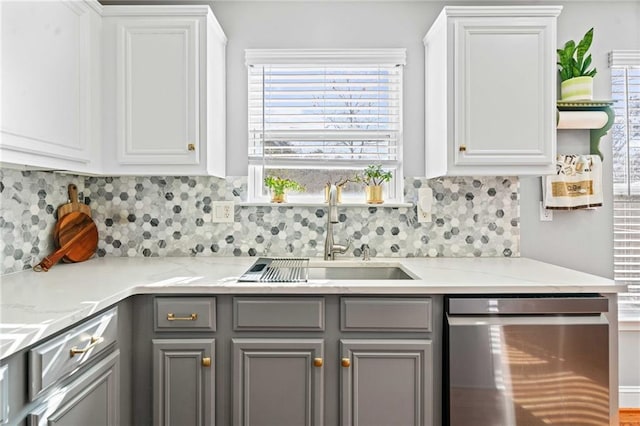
(575, 75)
(340, 183)
(373, 177)
(279, 187)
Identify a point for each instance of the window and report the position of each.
(625, 91)
(321, 116)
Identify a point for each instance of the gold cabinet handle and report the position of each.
(318, 362)
(462, 148)
(206, 361)
(345, 362)
(95, 341)
(191, 147)
(172, 317)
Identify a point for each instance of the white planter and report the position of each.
(577, 89)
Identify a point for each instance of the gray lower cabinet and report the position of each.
(386, 382)
(277, 382)
(183, 382)
(90, 399)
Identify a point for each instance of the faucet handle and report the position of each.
(348, 245)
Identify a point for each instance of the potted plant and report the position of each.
(340, 183)
(575, 75)
(279, 187)
(373, 177)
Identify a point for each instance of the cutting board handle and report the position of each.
(85, 227)
(73, 193)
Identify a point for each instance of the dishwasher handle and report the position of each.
(484, 321)
(528, 305)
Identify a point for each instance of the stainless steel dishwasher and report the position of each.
(526, 360)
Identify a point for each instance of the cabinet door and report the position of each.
(504, 76)
(49, 53)
(277, 382)
(183, 382)
(157, 91)
(386, 382)
(91, 399)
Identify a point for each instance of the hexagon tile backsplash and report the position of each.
(170, 216)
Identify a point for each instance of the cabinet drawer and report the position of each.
(385, 314)
(90, 399)
(59, 356)
(278, 313)
(185, 314)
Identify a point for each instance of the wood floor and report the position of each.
(629, 417)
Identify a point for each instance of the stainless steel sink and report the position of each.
(358, 273)
(296, 270)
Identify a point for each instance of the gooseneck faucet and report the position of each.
(330, 248)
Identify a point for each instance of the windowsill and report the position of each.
(317, 204)
(628, 323)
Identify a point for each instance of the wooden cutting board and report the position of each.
(73, 205)
(77, 236)
(70, 226)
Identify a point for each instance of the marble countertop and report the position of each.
(35, 305)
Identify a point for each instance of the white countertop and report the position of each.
(35, 305)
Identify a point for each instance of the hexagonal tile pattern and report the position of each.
(171, 216)
(29, 202)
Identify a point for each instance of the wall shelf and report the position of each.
(594, 115)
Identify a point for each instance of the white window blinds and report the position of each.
(312, 106)
(625, 91)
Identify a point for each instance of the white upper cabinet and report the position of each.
(164, 91)
(50, 86)
(491, 91)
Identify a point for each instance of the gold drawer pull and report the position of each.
(345, 362)
(462, 148)
(95, 341)
(206, 361)
(172, 317)
(318, 362)
(191, 147)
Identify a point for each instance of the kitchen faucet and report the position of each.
(330, 249)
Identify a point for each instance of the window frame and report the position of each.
(320, 58)
(624, 199)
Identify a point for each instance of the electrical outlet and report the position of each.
(222, 211)
(546, 215)
(425, 199)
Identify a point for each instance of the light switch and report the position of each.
(222, 211)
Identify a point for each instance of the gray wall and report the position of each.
(580, 240)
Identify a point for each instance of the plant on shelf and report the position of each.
(575, 75)
(279, 187)
(340, 183)
(373, 177)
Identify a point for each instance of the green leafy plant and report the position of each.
(572, 61)
(280, 185)
(374, 175)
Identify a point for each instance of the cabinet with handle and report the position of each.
(485, 115)
(278, 382)
(183, 382)
(386, 382)
(165, 98)
(288, 360)
(90, 399)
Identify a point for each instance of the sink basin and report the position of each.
(358, 273)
